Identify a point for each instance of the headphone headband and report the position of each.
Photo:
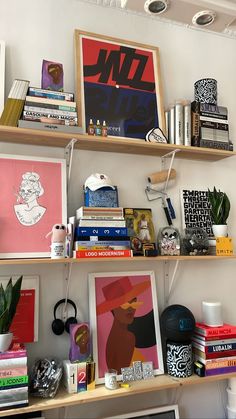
(67, 301)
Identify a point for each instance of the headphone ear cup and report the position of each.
(69, 321)
(58, 327)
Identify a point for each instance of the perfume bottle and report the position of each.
(98, 128)
(91, 130)
(104, 129)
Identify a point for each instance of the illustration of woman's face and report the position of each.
(82, 339)
(125, 313)
(26, 192)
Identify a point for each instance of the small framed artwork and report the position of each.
(2, 75)
(195, 209)
(33, 199)
(163, 412)
(124, 321)
(118, 81)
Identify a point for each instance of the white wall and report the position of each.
(43, 29)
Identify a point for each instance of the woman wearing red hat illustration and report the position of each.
(122, 300)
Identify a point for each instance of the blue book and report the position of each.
(100, 231)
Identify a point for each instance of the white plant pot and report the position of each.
(5, 341)
(220, 230)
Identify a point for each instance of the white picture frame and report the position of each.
(2, 75)
(144, 328)
(162, 412)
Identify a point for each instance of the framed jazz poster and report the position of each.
(32, 200)
(124, 321)
(119, 82)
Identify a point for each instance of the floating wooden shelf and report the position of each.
(63, 399)
(108, 144)
(111, 259)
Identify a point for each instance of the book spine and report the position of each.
(215, 125)
(172, 125)
(13, 372)
(13, 381)
(101, 231)
(102, 253)
(210, 119)
(179, 123)
(167, 123)
(13, 363)
(187, 124)
(216, 371)
(204, 342)
(101, 223)
(225, 331)
(53, 94)
(36, 115)
(65, 107)
(216, 362)
(108, 239)
(220, 145)
(96, 245)
(100, 217)
(212, 355)
(49, 101)
(46, 111)
(50, 120)
(10, 355)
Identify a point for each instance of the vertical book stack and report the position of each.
(215, 349)
(13, 378)
(15, 102)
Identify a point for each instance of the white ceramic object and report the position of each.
(231, 399)
(5, 341)
(231, 413)
(220, 230)
(212, 313)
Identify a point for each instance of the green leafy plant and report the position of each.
(220, 206)
(9, 298)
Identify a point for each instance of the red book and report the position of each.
(13, 372)
(99, 253)
(226, 329)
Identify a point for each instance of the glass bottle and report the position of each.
(98, 128)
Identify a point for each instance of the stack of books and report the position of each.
(13, 378)
(210, 126)
(45, 109)
(215, 348)
(101, 232)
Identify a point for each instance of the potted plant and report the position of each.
(220, 207)
(9, 298)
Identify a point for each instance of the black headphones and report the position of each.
(58, 325)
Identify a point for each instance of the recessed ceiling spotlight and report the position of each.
(156, 6)
(204, 18)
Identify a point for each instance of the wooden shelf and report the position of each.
(111, 259)
(108, 144)
(162, 382)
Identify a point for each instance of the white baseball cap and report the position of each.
(97, 181)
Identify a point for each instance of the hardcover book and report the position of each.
(101, 231)
(15, 103)
(225, 330)
(102, 253)
(140, 229)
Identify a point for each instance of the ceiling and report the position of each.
(182, 12)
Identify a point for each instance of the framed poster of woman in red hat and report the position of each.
(124, 321)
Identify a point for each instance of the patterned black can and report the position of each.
(179, 359)
(205, 91)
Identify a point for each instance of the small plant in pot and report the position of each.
(220, 207)
(9, 298)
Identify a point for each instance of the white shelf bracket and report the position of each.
(169, 282)
(69, 150)
(170, 155)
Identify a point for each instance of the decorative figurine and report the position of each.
(58, 241)
(169, 241)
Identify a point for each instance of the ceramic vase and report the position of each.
(5, 341)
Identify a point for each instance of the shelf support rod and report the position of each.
(69, 149)
(169, 282)
(172, 156)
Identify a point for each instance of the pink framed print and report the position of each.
(124, 321)
(32, 200)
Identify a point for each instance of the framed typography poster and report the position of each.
(118, 82)
(32, 200)
(124, 321)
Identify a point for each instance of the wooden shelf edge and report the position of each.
(63, 399)
(108, 144)
(112, 259)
